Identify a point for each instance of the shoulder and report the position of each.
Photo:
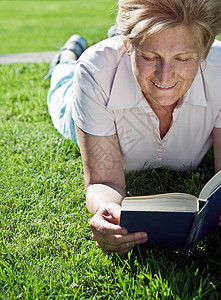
(206, 88)
(104, 55)
(97, 67)
(211, 68)
(214, 57)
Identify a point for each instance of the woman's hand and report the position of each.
(111, 237)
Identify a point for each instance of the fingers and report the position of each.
(117, 239)
(121, 244)
(111, 237)
(99, 225)
(105, 221)
(111, 213)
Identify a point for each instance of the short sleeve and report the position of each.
(89, 106)
(218, 120)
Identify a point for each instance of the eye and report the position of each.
(182, 59)
(150, 58)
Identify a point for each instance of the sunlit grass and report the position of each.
(46, 249)
(31, 25)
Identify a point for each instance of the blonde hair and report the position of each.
(138, 19)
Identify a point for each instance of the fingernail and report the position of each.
(124, 231)
(144, 235)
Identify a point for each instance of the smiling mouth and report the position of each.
(164, 86)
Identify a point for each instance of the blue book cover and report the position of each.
(165, 229)
(206, 219)
(176, 220)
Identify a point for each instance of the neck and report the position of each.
(163, 111)
(165, 116)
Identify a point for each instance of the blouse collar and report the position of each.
(126, 92)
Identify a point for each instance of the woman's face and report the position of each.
(165, 65)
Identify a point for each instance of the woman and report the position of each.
(149, 97)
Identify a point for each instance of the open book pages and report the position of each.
(162, 202)
(211, 186)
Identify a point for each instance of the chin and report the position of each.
(162, 101)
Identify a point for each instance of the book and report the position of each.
(174, 220)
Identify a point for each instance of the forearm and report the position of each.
(98, 195)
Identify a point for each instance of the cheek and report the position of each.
(142, 70)
(187, 72)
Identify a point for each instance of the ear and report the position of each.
(128, 47)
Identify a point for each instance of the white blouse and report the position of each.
(107, 100)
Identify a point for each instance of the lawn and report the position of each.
(45, 25)
(46, 249)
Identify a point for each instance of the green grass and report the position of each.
(46, 249)
(45, 25)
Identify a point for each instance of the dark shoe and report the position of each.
(76, 44)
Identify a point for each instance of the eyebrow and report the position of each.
(177, 54)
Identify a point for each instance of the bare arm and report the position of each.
(217, 148)
(103, 171)
(105, 189)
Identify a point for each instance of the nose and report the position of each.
(164, 72)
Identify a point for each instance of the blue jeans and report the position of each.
(60, 99)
